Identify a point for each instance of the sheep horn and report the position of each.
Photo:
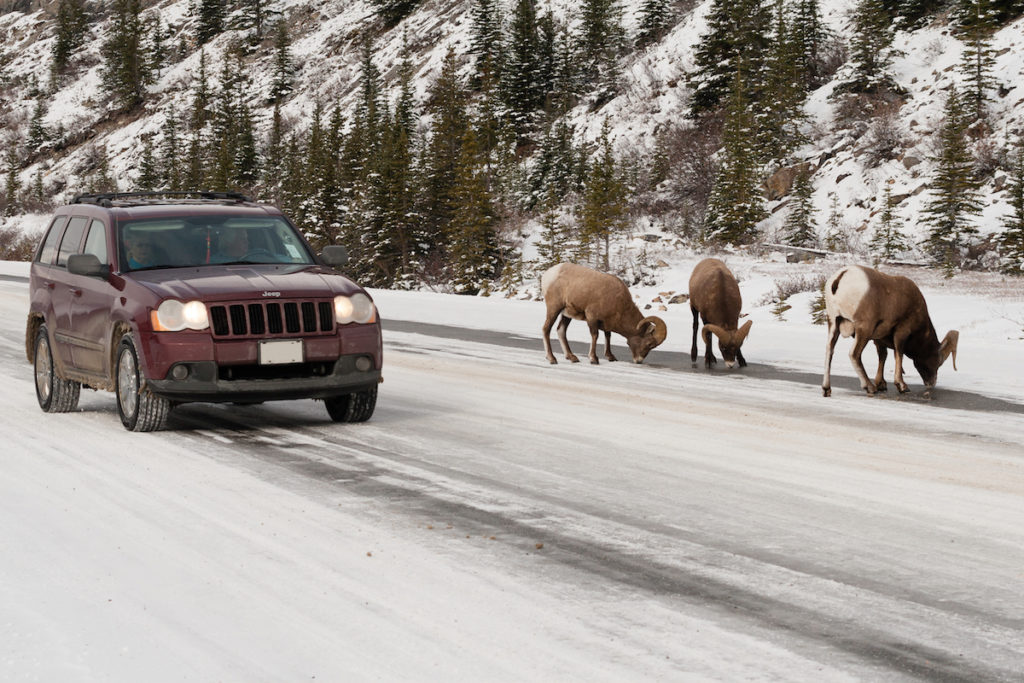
(742, 333)
(660, 329)
(949, 347)
(718, 332)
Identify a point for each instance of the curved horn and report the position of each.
(719, 332)
(742, 333)
(949, 347)
(660, 328)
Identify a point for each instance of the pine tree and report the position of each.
(255, 14)
(779, 113)
(655, 19)
(604, 210)
(810, 34)
(870, 49)
(601, 42)
(976, 23)
(552, 238)
(800, 227)
(72, 25)
(522, 84)
(246, 162)
(473, 246)
(955, 196)
(737, 37)
(487, 40)
(210, 21)
(736, 205)
(888, 242)
(13, 184)
(124, 63)
(170, 156)
(38, 135)
(393, 11)
(148, 178)
(157, 35)
(1011, 241)
(101, 180)
(283, 68)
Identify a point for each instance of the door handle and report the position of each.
(76, 292)
(50, 285)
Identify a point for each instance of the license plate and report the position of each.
(280, 352)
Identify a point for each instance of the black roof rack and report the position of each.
(111, 199)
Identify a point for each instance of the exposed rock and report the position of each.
(910, 162)
(679, 299)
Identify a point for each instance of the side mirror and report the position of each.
(335, 255)
(87, 264)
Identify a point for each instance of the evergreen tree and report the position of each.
(523, 88)
(101, 180)
(870, 49)
(601, 42)
(551, 242)
(736, 205)
(473, 247)
(124, 64)
(955, 196)
(171, 171)
(72, 25)
(255, 14)
(655, 20)
(558, 166)
(800, 227)
(199, 111)
(810, 35)
(1011, 241)
(487, 40)
(157, 36)
(283, 68)
(976, 23)
(13, 184)
(38, 135)
(835, 233)
(293, 189)
(148, 178)
(246, 162)
(779, 114)
(210, 20)
(273, 155)
(737, 36)
(888, 242)
(322, 205)
(604, 210)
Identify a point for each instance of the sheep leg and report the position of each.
(595, 329)
(608, 346)
(883, 352)
(860, 340)
(901, 385)
(562, 324)
(549, 320)
(693, 349)
(830, 347)
(709, 355)
(739, 359)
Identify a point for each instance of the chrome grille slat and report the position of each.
(271, 318)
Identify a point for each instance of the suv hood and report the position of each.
(243, 282)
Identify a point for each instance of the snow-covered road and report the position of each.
(502, 519)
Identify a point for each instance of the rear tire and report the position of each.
(55, 395)
(140, 410)
(357, 407)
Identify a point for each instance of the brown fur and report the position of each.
(715, 298)
(893, 314)
(579, 293)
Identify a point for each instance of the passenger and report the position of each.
(141, 252)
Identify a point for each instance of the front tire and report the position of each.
(140, 410)
(357, 407)
(55, 395)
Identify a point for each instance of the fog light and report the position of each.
(179, 372)
(363, 364)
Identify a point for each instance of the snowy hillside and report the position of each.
(653, 96)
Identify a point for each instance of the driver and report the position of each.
(141, 252)
(232, 246)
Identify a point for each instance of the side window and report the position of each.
(72, 238)
(96, 242)
(49, 248)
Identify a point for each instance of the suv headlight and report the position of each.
(354, 309)
(173, 316)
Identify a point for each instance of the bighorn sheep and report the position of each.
(889, 310)
(715, 298)
(580, 293)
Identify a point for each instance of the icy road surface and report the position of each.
(503, 519)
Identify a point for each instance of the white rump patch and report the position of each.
(549, 276)
(853, 287)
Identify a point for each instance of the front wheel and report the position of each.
(140, 410)
(357, 407)
(55, 395)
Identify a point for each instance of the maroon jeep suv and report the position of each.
(167, 298)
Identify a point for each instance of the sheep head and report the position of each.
(730, 341)
(928, 366)
(650, 332)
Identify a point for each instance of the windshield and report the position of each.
(190, 241)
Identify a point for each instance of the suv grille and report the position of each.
(268, 319)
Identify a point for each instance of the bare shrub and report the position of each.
(884, 138)
(15, 245)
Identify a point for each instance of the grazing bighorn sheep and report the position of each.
(715, 298)
(889, 310)
(579, 293)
